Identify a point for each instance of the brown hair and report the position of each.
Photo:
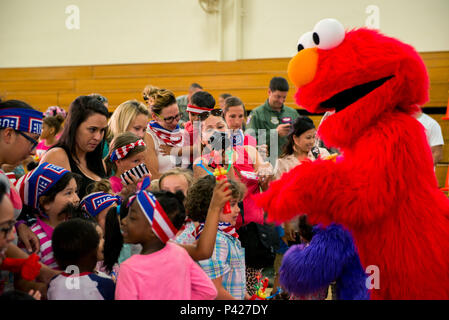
(233, 102)
(148, 92)
(54, 122)
(162, 98)
(200, 195)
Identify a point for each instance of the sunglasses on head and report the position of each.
(215, 112)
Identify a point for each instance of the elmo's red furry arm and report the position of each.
(361, 186)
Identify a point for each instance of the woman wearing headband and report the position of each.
(20, 128)
(81, 144)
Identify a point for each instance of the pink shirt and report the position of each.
(44, 232)
(168, 274)
(41, 149)
(116, 184)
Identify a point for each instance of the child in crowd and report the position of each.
(47, 192)
(226, 267)
(177, 179)
(50, 129)
(126, 152)
(103, 207)
(163, 270)
(98, 204)
(76, 245)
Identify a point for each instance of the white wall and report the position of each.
(34, 32)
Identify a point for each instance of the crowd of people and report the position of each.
(153, 201)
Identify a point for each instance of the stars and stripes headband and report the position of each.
(158, 219)
(197, 110)
(96, 202)
(121, 152)
(21, 119)
(38, 182)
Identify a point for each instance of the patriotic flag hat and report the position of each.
(21, 119)
(197, 110)
(96, 202)
(159, 222)
(121, 152)
(38, 182)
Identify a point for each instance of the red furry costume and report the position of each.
(384, 189)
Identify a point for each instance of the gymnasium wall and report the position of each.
(92, 32)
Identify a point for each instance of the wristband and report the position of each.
(18, 223)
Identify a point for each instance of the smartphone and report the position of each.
(138, 171)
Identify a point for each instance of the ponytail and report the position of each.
(113, 239)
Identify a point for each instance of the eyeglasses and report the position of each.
(215, 112)
(169, 119)
(33, 142)
(5, 231)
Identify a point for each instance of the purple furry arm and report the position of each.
(331, 256)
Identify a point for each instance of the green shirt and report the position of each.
(182, 102)
(264, 117)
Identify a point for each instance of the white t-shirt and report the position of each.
(166, 162)
(433, 130)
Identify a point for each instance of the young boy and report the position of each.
(76, 244)
(226, 267)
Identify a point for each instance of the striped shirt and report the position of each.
(227, 261)
(44, 232)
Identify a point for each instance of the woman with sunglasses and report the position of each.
(163, 130)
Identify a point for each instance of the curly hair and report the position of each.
(200, 195)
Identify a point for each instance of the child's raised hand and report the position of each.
(222, 194)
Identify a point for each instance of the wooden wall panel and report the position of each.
(46, 73)
(247, 79)
(191, 68)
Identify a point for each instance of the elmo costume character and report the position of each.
(384, 189)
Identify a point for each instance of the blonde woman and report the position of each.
(130, 116)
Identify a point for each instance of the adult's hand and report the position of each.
(28, 238)
(283, 129)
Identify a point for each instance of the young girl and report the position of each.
(77, 247)
(50, 129)
(48, 191)
(163, 270)
(126, 152)
(226, 267)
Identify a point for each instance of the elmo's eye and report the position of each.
(328, 34)
(305, 41)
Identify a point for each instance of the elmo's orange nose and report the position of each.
(302, 67)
